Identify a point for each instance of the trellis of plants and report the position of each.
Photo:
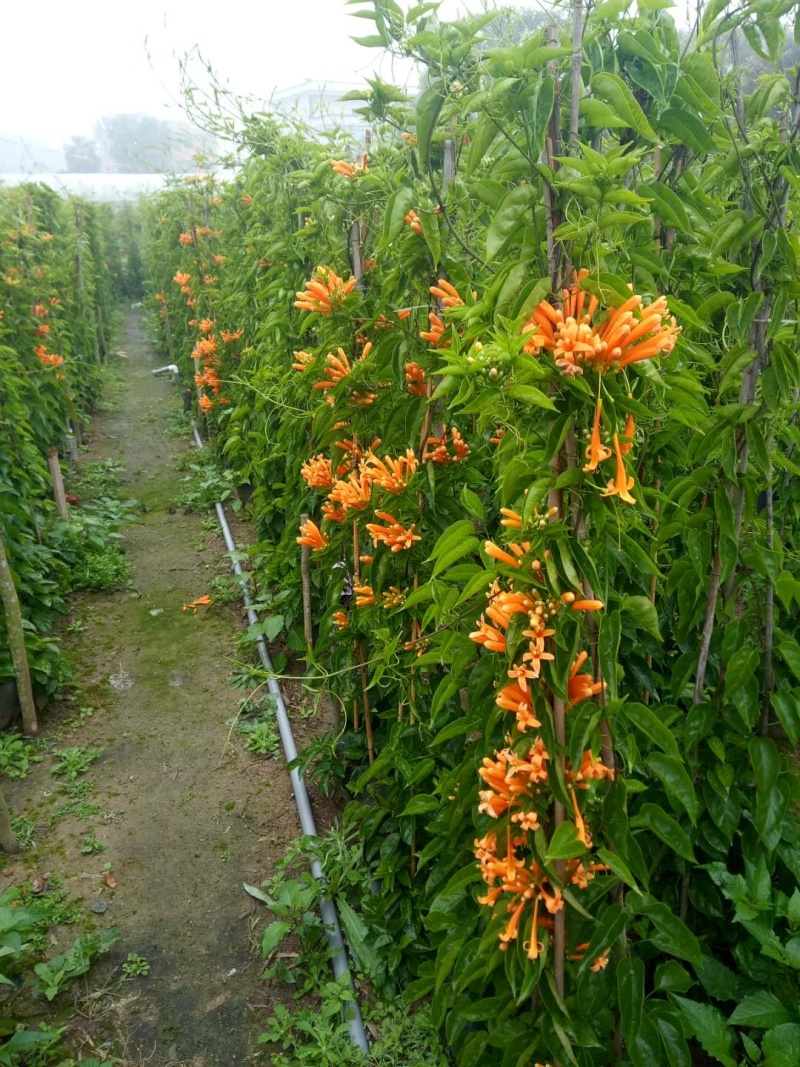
(58, 290)
(529, 366)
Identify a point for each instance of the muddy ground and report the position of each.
(186, 817)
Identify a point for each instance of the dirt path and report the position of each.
(193, 820)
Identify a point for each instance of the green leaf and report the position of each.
(672, 977)
(564, 844)
(787, 707)
(421, 804)
(644, 614)
(596, 113)
(687, 129)
(761, 1010)
(529, 394)
(397, 207)
(781, 1046)
(646, 719)
(667, 829)
(486, 130)
(708, 1025)
(617, 867)
(670, 933)
(770, 799)
(428, 107)
(508, 218)
(630, 996)
(677, 783)
(612, 90)
(272, 936)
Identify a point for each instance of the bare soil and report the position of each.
(188, 816)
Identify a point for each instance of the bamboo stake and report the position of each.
(575, 73)
(58, 483)
(16, 644)
(305, 581)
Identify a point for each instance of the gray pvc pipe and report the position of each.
(341, 969)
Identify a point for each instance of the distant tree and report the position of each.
(81, 156)
(131, 144)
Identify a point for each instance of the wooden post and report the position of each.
(58, 483)
(16, 644)
(8, 841)
(305, 578)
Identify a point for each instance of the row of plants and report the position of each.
(529, 368)
(65, 264)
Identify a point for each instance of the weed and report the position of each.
(101, 569)
(55, 907)
(135, 966)
(262, 738)
(205, 484)
(55, 974)
(24, 829)
(77, 720)
(81, 809)
(90, 845)
(74, 761)
(16, 755)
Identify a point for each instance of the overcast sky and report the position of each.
(66, 64)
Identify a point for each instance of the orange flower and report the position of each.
(43, 329)
(395, 536)
(412, 221)
(628, 432)
(206, 325)
(311, 535)
(364, 596)
(324, 292)
(597, 452)
(404, 313)
(40, 311)
(582, 686)
(200, 602)
(446, 294)
(395, 598)
(246, 200)
(354, 493)
(392, 475)
(493, 550)
(513, 698)
(415, 376)
(488, 636)
(205, 403)
(436, 332)
(340, 620)
(181, 278)
(186, 238)
(337, 367)
(621, 484)
(511, 519)
(302, 361)
(317, 472)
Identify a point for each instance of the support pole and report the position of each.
(16, 644)
(58, 483)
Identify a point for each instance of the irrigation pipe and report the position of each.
(330, 919)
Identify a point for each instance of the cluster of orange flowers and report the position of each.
(516, 778)
(395, 536)
(438, 447)
(350, 170)
(415, 376)
(50, 359)
(324, 292)
(596, 453)
(412, 221)
(581, 334)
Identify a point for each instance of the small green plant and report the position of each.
(16, 755)
(101, 569)
(135, 966)
(91, 845)
(262, 738)
(74, 761)
(24, 829)
(55, 974)
(205, 484)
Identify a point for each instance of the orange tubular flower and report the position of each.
(412, 221)
(395, 536)
(576, 341)
(392, 475)
(302, 361)
(629, 433)
(415, 376)
(436, 332)
(446, 294)
(582, 686)
(511, 519)
(493, 550)
(621, 484)
(182, 279)
(597, 452)
(365, 597)
(41, 312)
(581, 829)
(324, 292)
(317, 472)
(205, 403)
(338, 367)
(311, 535)
(354, 493)
(228, 336)
(341, 166)
(340, 620)
(186, 238)
(513, 698)
(489, 637)
(206, 325)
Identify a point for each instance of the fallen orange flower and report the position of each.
(200, 602)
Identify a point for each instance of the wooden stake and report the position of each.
(58, 483)
(305, 579)
(16, 644)
(8, 841)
